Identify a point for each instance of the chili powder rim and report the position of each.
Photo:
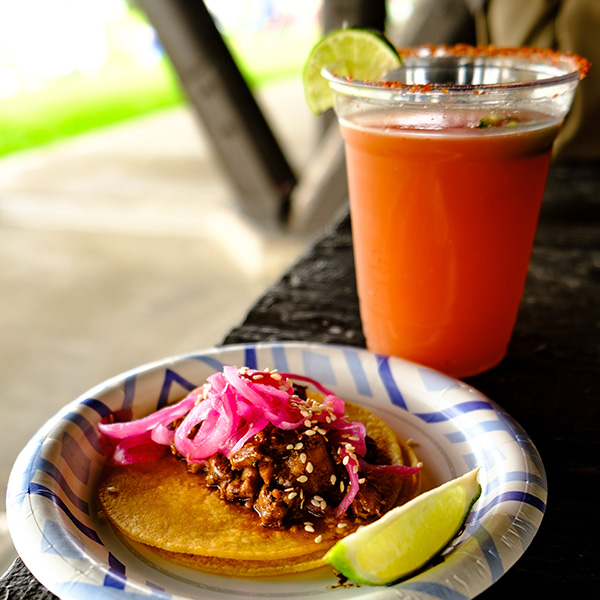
(576, 68)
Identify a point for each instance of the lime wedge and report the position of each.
(357, 53)
(407, 537)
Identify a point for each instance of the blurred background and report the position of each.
(69, 66)
(121, 238)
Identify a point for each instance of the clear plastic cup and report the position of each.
(447, 163)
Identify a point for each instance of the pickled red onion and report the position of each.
(139, 426)
(366, 468)
(352, 488)
(137, 448)
(231, 408)
(313, 382)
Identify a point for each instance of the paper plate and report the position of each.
(58, 533)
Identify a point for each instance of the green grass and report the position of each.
(82, 103)
(122, 91)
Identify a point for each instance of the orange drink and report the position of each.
(445, 188)
(444, 228)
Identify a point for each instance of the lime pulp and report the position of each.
(407, 537)
(360, 54)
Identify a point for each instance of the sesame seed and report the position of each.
(310, 432)
(309, 528)
(302, 479)
(346, 460)
(307, 423)
(315, 502)
(323, 505)
(257, 376)
(333, 479)
(321, 430)
(361, 480)
(319, 539)
(276, 377)
(302, 458)
(309, 467)
(290, 489)
(289, 447)
(355, 469)
(292, 495)
(299, 446)
(342, 486)
(342, 525)
(318, 498)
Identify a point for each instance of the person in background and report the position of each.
(565, 25)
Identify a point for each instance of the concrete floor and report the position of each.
(120, 247)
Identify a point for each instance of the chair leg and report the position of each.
(322, 190)
(248, 150)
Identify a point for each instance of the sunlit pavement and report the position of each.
(121, 247)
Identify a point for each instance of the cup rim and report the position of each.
(575, 67)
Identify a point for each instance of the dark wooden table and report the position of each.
(549, 381)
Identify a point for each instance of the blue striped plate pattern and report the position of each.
(69, 547)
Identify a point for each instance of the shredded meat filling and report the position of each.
(289, 475)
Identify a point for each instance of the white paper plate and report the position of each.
(75, 554)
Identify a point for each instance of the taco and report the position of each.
(254, 473)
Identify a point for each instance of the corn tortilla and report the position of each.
(163, 506)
